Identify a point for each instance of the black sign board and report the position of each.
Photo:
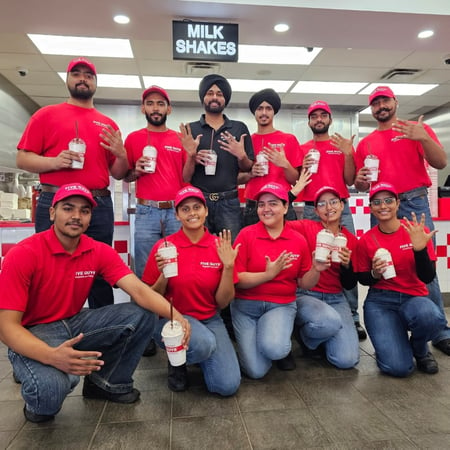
(205, 41)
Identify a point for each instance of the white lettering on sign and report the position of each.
(205, 48)
(202, 31)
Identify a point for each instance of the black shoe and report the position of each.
(443, 346)
(91, 390)
(362, 335)
(287, 363)
(36, 418)
(427, 364)
(317, 353)
(150, 350)
(177, 379)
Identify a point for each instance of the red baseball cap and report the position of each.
(382, 186)
(158, 90)
(319, 104)
(84, 61)
(324, 189)
(274, 189)
(189, 191)
(71, 190)
(381, 91)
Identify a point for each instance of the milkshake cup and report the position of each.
(385, 255)
(372, 162)
(172, 334)
(210, 168)
(79, 146)
(340, 241)
(324, 245)
(169, 252)
(150, 152)
(316, 157)
(262, 160)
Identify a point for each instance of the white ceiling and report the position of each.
(358, 45)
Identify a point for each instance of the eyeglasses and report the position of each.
(333, 202)
(380, 201)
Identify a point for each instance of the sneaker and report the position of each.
(286, 363)
(362, 335)
(427, 364)
(443, 346)
(91, 390)
(36, 418)
(177, 379)
(150, 350)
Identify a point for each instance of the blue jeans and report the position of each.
(251, 215)
(211, 348)
(148, 231)
(101, 229)
(351, 295)
(263, 333)
(224, 214)
(388, 316)
(326, 318)
(121, 332)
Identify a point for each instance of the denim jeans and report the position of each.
(211, 348)
(251, 215)
(148, 231)
(121, 332)
(326, 318)
(101, 229)
(388, 316)
(263, 333)
(224, 214)
(351, 295)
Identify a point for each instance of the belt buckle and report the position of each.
(213, 196)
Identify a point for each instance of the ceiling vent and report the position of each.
(400, 74)
(200, 69)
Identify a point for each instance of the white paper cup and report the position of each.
(150, 152)
(385, 255)
(172, 334)
(316, 158)
(324, 245)
(372, 163)
(340, 241)
(169, 253)
(210, 167)
(79, 146)
(262, 160)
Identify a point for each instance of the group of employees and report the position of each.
(248, 276)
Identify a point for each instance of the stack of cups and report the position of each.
(324, 245)
(172, 334)
(385, 255)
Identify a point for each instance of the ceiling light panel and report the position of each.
(273, 54)
(401, 88)
(113, 81)
(327, 87)
(85, 46)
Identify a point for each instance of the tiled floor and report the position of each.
(315, 406)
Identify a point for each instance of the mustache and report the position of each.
(383, 109)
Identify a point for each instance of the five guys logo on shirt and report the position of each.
(84, 274)
(210, 264)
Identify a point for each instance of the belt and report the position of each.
(154, 204)
(215, 196)
(251, 203)
(413, 193)
(95, 192)
(309, 203)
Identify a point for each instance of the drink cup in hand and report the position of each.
(340, 241)
(150, 152)
(79, 146)
(168, 251)
(324, 245)
(210, 167)
(372, 163)
(263, 162)
(315, 155)
(172, 334)
(385, 255)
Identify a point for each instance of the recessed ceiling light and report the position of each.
(425, 34)
(122, 19)
(281, 27)
(85, 46)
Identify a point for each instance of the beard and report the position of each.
(156, 121)
(322, 130)
(213, 107)
(81, 94)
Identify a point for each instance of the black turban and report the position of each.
(266, 95)
(219, 81)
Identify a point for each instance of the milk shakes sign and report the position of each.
(205, 41)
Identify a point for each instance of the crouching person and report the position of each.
(52, 341)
